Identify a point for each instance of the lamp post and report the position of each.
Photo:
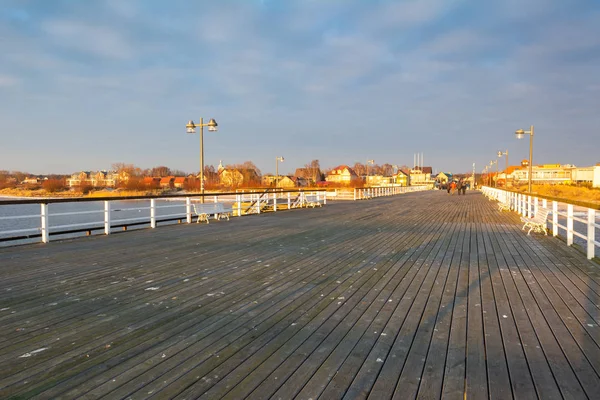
(500, 154)
(520, 134)
(191, 128)
(474, 184)
(277, 161)
(485, 172)
(491, 164)
(368, 162)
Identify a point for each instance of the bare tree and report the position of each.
(360, 169)
(250, 165)
(387, 169)
(129, 169)
(160, 171)
(313, 171)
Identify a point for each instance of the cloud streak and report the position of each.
(339, 81)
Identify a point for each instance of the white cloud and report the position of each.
(408, 13)
(9, 80)
(459, 41)
(101, 41)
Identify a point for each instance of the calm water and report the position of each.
(130, 210)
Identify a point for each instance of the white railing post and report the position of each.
(44, 223)
(554, 218)
(274, 202)
(239, 203)
(535, 205)
(355, 193)
(215, 199)
(591, 233)
(544, 203)
(188, 210)
(289, 201)
(153, 213)
(569, 224)
(521, 208)
(106, 217)
(530, 206)
(324, 198)
(257, 203)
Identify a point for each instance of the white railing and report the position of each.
(78, 216)
(371, 192)
(579, 221)
(257, 202)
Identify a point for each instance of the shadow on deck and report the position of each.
(420, 295)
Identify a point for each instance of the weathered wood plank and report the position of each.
(423, 295)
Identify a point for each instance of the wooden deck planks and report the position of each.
(423, 295)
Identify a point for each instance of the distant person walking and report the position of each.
(463, 187)
(452, 187)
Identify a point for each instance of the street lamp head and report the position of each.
(190, 127)
(212, 125)
(281, 159)
(499, 154)
(520, 133)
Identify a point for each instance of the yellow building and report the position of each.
(342, 174)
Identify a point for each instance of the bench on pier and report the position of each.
(313, 201)
(538, 222)
(204, 210)
(504, 206)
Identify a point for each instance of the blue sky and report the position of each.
(85, 84)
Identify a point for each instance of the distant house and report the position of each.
(300, 181)
(443, 177)
(309, 174)
(424, 170)
(401, 178)
(235, 177)
(151, 182)
(284, 181)
(342, 174)
(31, 180)
(547, 173)
(378, 180)
(179, 182)
(97, 179)
(421, 176)
(167, 182)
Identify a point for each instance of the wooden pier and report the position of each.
(422, 295)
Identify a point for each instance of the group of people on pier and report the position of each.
(461, 186)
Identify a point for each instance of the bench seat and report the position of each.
(538, 222)
(204, 210)
(312, 201)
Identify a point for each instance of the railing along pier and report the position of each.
(576, 219)
(76, 216)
